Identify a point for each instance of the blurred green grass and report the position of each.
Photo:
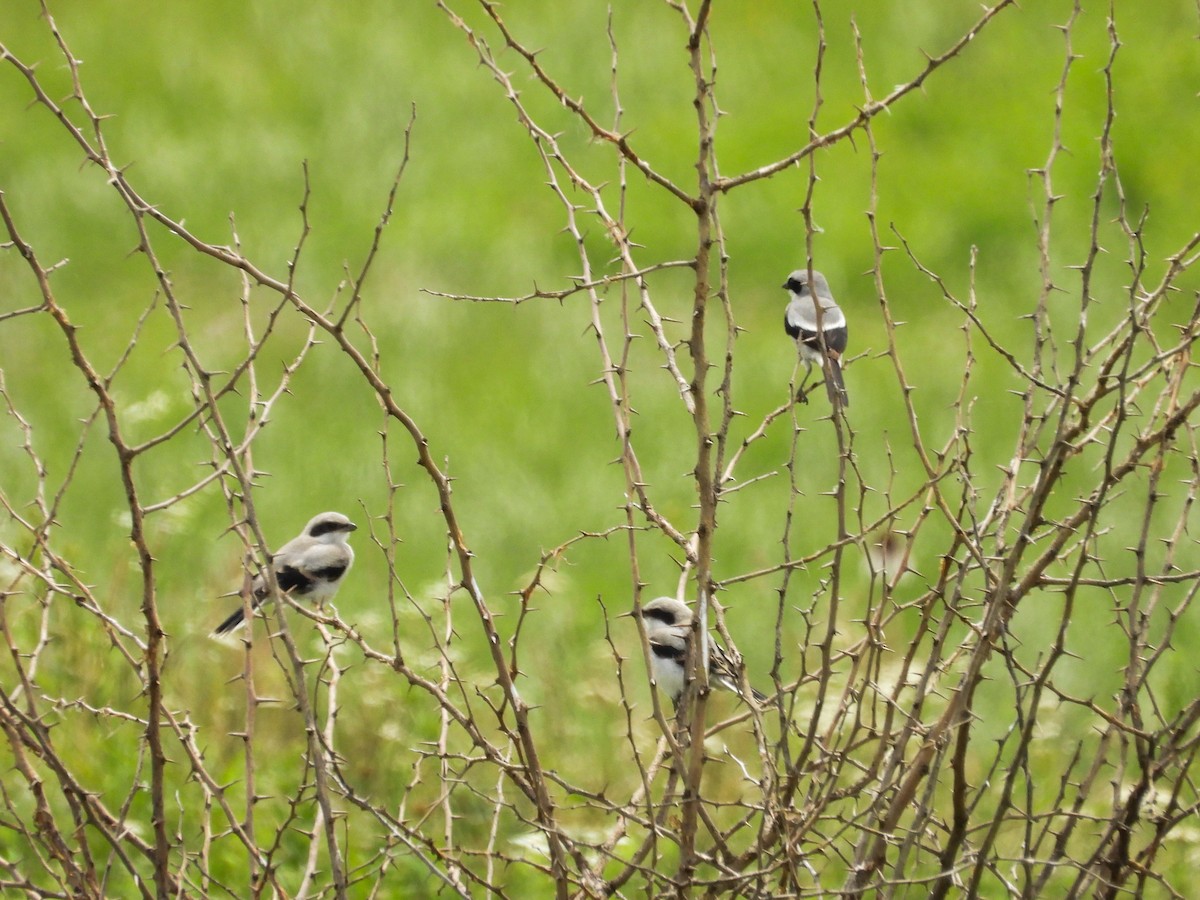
(217, 105)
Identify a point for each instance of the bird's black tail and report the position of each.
(835, 386)
(231, 623)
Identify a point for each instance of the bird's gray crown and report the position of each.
(798, 282)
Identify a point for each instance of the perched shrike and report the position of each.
(668, 622)
(309, 566)
(801, 323)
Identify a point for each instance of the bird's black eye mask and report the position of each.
(326, 527)
(662, 615)
(795, 284)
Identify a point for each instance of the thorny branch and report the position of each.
(872, 768)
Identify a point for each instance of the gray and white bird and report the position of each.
(310, 566)
(829, 335)
(668, 622)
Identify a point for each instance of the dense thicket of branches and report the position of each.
(878, 766)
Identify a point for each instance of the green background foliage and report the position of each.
(214, 108)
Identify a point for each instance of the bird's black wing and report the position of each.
(723, 671)
(792, 329)
(296, 581)
(669, 651)
(327, 573)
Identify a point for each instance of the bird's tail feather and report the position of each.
(730, 684)
(231, 623)
(835, 385)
